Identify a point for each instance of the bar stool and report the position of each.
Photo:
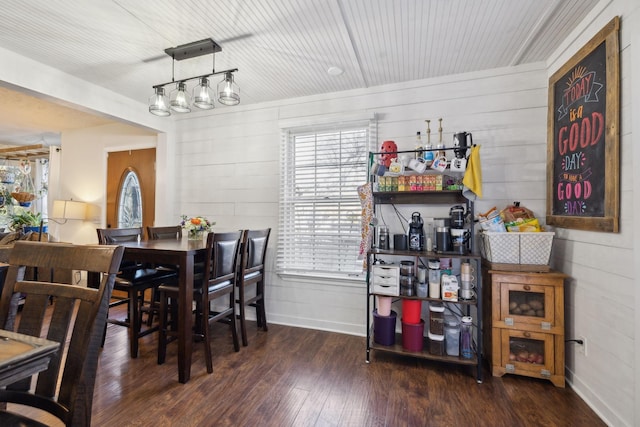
(170, 232)
(252, 272)
(134, 279)
(216, 280)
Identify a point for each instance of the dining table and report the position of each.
(181, 253)
(23, 355)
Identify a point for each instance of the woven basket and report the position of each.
(23, 197)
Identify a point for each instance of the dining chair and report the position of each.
(252, 272)
(216, 281)
(170, 232)
(76, 318)
(134, 279)
(164, 232)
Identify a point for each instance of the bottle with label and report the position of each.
(428, 155)
(440, 143)
(465, 337)
(418, 152)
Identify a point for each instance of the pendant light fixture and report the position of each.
(180, 99)
(228, 92)
(158, 103)
(202, 95)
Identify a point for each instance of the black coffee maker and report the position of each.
(457, 216)
(459, 235)
(416, 232)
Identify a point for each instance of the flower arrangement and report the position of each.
(196, 225)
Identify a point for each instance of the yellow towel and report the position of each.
(473, 175)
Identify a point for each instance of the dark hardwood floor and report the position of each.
(300, 377)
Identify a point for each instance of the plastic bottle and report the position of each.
(465, 337)
(418, 148)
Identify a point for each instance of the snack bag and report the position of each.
(515, 212)
(524, 225)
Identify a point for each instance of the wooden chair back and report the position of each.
(223, 252)
(254, 249)
(113, 236)
(167, 232)
(72, 315)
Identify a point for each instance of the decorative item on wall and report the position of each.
(228, 92)
(583, 163)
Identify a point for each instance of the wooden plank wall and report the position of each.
(601, 294)
(228, 163)
(228, 170)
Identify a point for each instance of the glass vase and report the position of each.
(195, 234)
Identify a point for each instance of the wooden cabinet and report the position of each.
(524, 321)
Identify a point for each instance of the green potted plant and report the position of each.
(25, 220)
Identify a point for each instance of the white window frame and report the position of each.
(335, 255)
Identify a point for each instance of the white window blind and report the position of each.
(320, 211)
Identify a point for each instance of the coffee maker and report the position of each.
(459, 234)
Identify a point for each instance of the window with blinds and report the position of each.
(320, 211)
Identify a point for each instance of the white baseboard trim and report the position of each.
(321, 325)
(608, 416)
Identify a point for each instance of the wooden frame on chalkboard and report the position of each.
(583, 141)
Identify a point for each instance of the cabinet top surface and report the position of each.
(552, 273)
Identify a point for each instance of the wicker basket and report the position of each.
(517, 248)
(23, 197)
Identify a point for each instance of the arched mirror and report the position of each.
(129, 201)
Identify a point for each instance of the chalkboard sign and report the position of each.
(583, 137)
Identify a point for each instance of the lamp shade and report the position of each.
(228, 90)
(68, 209)
(202, 95)
(180, 99)
(158, 103)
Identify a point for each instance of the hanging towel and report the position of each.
(472, 180)
(365, 192)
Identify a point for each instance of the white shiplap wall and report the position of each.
(601, 292)
(235, 151)
(231, 155)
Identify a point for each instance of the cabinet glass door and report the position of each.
(527, 351)
(527, 304)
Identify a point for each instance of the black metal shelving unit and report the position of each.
(426, 197)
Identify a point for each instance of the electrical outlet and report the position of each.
(582, 348)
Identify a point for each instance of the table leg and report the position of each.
(185, 321)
